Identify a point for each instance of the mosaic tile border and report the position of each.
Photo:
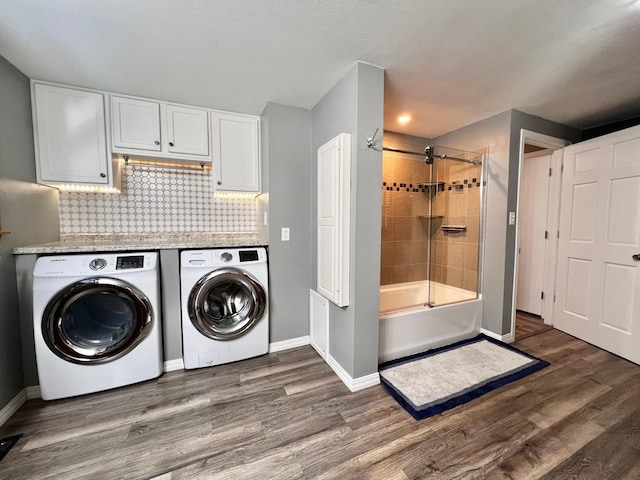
(441, 186)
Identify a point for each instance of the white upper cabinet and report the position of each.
(70, 136)
(187, 130)
(81, 135)
(135, 124)
(144, 127)
(236, 143)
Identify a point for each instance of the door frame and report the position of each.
(553, 214)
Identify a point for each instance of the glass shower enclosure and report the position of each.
(431, 227)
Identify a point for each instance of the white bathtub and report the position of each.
(413, 330)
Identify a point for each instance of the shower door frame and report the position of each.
(481, 228)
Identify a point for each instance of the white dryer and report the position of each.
(225, 314)
(96, 322)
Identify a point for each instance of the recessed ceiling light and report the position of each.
(404, 118)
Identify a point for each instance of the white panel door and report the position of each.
(598, 287)
(534, 198)
(135, 124)
(187, 130)
(333, 217)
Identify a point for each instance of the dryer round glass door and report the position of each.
(96, 320)
(226, 303)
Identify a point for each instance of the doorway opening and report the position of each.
(538, 207)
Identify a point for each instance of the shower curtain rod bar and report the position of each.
(388, 149)
(475, 161)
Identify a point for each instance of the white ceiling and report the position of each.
(447, 63)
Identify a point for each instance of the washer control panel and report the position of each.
(95, 264)
(238, 256)
(227, 257)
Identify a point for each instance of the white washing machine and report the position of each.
(96, 322)
(225, 314)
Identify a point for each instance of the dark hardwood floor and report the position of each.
(287, 416)
(528, 324)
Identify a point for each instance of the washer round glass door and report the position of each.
(226, 303)
(96, 320)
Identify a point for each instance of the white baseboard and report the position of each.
(506, 338)
(172, 365)
(13, 406)
(353, 384)
(319, 351)
(288, 344)
(33, 392)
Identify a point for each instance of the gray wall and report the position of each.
(355, 105)
(367, 172)
(501, 134)
(27, 210)
(171, 304)
(337, 113)
(405, 142)
(24, 274)
(286, 141)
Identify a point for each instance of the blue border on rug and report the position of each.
(463, 398)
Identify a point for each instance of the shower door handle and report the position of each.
(636, 257)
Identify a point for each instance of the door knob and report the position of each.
(102, 175)
(171, 144)
(636, 257)
(157, 142)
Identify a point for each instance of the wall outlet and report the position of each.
(512, 218)
(284, 234)
(265, 218)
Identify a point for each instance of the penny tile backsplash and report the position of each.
(156, 200)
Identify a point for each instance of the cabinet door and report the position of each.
(187, 130)
(135, 124)
(333, 219)
(70, 137)
(236, 152)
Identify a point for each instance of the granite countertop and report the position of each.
(124, 242)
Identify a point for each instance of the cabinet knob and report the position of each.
(219, 182)
(171, 144)
(157, 142)
(103, 175)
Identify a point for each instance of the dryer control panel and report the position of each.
(227, 257)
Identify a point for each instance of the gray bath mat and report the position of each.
(432, 382)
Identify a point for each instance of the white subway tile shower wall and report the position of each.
(156, 200)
